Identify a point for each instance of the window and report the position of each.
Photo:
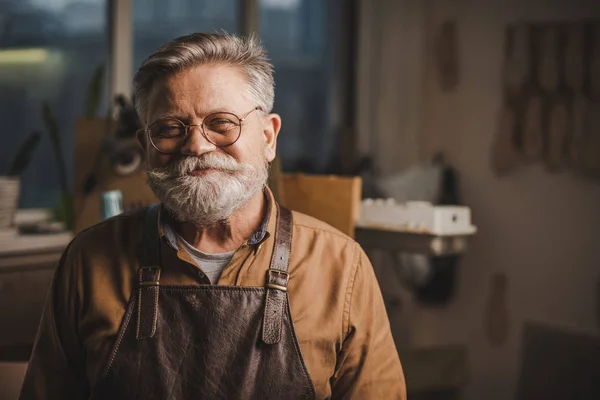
(49, 51)
(156, 22)
(300, 37)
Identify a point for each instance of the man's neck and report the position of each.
(229, 235)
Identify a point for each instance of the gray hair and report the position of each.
(195, 49)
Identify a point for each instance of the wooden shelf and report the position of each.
(371, 238)
(26, 252)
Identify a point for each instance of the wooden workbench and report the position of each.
(27, 264)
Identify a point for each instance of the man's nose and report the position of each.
(196, 143)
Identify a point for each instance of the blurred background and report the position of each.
(495, 102)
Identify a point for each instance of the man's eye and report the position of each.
(221, 125)
(220, 122)
(169, 131)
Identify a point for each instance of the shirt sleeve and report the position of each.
(368, 365)
(56, 368)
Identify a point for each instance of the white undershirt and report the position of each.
(211, 264)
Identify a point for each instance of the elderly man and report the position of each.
(218, 292)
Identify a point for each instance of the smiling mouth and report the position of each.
(203, 171)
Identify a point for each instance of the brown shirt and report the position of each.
(336, 305)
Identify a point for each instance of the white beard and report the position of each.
(212, 198)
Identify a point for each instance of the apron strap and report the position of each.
(276, 282)
(149, 276)
(277, 278)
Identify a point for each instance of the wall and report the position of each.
(390, 72)
(539, 229)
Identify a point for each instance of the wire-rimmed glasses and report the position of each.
(169, 135)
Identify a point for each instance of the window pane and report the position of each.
(49, 51)
(158, 21)
(298, 36)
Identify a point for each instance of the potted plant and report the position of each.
(10, 184)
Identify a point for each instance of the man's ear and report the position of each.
(140, 135)
(271, 131)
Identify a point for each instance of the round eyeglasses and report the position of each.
(169, 135)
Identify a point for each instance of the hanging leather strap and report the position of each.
(277, 278)
(149, 276)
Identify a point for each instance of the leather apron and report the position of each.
(207, 341)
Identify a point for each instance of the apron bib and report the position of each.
(207, 341)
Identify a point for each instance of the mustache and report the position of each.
(188, 164)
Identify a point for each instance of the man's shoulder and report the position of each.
(114, 232)
(307, 223)
(312, 233)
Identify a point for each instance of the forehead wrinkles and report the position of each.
(192, 92)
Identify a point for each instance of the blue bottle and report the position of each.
(112, 203)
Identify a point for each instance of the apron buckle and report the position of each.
(273, 281)
(149, 276)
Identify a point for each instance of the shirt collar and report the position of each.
(261, 233)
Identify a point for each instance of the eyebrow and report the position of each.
(172, 116)
(188, 119)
